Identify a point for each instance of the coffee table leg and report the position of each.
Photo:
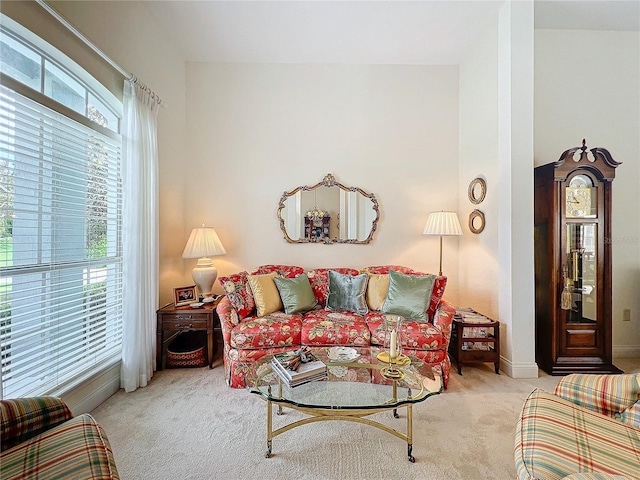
(410, 433)
(269, 429)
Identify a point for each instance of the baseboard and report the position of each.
(519, 370)
(627, 351)
(87, 395)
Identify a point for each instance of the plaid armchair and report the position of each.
(588, 429)
(40, 438)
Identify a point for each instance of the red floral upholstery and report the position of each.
(319, 280)
(323, 327)
(239, 293)
(287, 271)
(237, 362)
(277, 329)
(415, 334)
(248, 340)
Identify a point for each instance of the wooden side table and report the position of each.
(464, 349)
(172, 319)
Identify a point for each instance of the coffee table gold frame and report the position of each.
(319, 414)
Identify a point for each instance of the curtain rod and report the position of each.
(69, 26)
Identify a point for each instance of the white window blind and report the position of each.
(60, 250)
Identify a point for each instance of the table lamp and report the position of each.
(202, 244)
(443, 224)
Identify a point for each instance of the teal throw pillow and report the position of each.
(408, 295)
(347, 292)
(296, 294)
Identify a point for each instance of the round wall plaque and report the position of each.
(476, 221)
(477, 190)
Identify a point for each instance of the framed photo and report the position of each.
(184, 295)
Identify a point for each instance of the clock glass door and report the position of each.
(580, 273)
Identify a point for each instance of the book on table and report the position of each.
(468, 315)
(295, 372)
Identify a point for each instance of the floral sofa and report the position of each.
(588, 429)
(256, 323)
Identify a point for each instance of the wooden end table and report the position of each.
(183, 319)
(462, 349)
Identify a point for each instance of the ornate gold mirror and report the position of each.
(328, 212)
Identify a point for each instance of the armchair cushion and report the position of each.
(631, 415)
(347, 292)
(555, 437)
(296, 294)
(607, 394)
(409, 295)
(594, 476)
(265, 293)
(77, 448)
(24, 418)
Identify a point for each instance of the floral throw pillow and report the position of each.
(238, 292)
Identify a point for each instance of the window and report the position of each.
(60, 222)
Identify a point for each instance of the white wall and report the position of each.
(587, 85)
(478, 256)
(256, 130)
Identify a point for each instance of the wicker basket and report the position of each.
(186, 350)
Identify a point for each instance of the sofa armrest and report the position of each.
(24, 418)
(443, 318)
(228, 318)
(606, 394)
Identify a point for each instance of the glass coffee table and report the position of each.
(353, 389)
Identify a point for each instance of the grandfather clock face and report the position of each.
(580, 198)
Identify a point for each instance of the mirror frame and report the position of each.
(476, 215)
(477, 197)
(330, 181)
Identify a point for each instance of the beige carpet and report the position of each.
(187, 424)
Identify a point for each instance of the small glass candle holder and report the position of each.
(393, 346)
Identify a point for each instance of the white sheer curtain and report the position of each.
(140, 234)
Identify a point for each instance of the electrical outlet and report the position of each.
(626, 315)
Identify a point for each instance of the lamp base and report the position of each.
(204, 275)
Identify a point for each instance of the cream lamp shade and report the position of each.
(443, 224)
(202, 244)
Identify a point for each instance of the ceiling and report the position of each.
(426, 32)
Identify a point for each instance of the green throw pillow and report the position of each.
(347, 292)
(296, 294)
(408, 295)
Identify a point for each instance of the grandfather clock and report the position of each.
(573, 262)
